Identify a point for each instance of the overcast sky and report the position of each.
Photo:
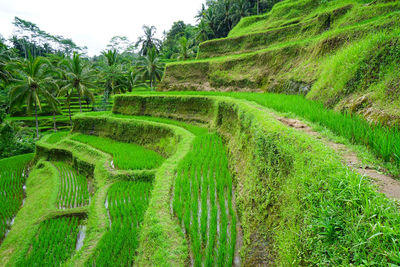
(93, 23)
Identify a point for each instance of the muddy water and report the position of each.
(81, 237)
(108, 211)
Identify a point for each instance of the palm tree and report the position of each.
(150, 68)
(31, 82)
(185, 51)
(240, 9)
(115, 76)
(203, 31)
(148, 41)
(5, 57)
(79, 78)
(111, 57)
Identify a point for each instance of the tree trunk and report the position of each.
(54, 121)
(69, 111)
(258, 7)
(80, 103)
(151, 84)
(37, 123)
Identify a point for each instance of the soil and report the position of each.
(387, 184)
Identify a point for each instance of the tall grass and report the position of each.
(12, 179)
(73, 190)
(382, 140)
(54, 243)
(126, 205)
(126, 156)
(203, 202)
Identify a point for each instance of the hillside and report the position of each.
(344, 53)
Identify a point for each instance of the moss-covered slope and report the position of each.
(344, 53)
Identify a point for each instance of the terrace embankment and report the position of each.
(165, 139)
(60, 201)
(294, 196)
(343, 53)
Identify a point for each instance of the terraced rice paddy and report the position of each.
(73, 190)
(56, 137)
(126, 204)
(203, 202)
(12, 179)
(54, 243)
(126, 156)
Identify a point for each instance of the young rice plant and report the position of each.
(203, 202)
(54, 243)
(126, 204)
(126, 156)
(73, 190)
(12, 180)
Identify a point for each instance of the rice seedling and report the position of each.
(126, 156)
(57, 137)
(126, 204)
(203, 202)
(54, 243)
(12, 179)
(73, 190)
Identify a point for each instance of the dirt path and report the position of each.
(387, 185)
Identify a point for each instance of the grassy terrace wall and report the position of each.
(151, 135)
(196, 110)
(343, 53)
(297, 203)
(340, 15)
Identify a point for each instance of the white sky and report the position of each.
(93, 23)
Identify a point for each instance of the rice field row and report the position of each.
(126, 156)
(126, 204)
(12, 179)
(56, 137)
(203, 202)
(73, 190)
(54, 243)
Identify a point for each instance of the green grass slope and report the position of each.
(344, 53)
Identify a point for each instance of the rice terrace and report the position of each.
(262, 133)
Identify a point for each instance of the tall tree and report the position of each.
(80, 78)
(149, 68)
(148, 41)
(115, 77)
(240, 9)
(185, 51)
(31, 82)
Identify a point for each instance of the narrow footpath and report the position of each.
(387, 184)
